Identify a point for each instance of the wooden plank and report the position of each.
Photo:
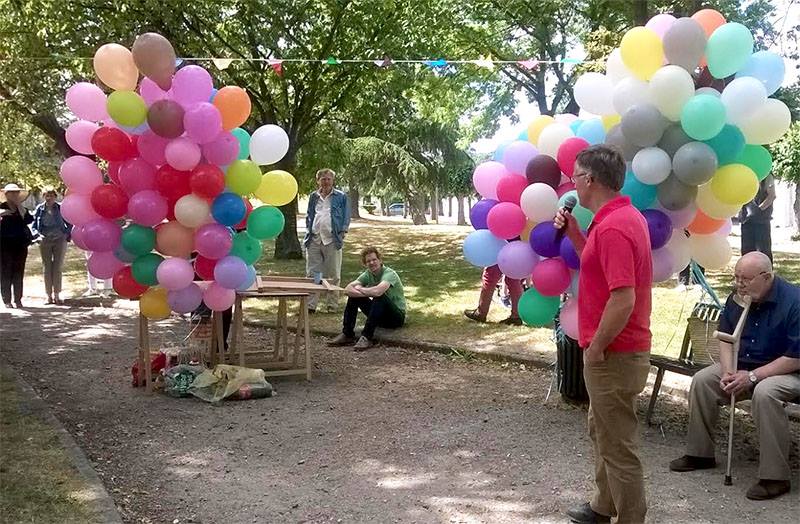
(238, 327)
(306, 329)
(141, 358)
(220, 337)
(148, 368)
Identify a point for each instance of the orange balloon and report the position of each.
(115, 67)
(174, 240)
(709, 19)
(234, 106)
(704, 224)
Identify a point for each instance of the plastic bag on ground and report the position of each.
(214, 385)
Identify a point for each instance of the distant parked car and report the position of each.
(396, 209)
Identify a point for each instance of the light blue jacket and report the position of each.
(340, 216)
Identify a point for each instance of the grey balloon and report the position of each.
(694, 163)
(674, 137)
(674, 194)
(614, 137)
(643, 125)
(685, 43)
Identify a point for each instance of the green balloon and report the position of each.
(126, 108)
(243, 177)
(703, 117)
(138, 240)
(144, 269)
(246, 247)
(581, 214)
(756, 158)
(265, 222)
(536, 309)
(728, 49)
(244, 142)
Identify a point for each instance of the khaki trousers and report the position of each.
(613, 385)
(769, 415)
(53, 250)
(325, 259)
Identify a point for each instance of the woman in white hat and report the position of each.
(15, 237)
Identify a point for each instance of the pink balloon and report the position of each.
(217, 298)
(182, 154)
(565, 188)
(517, 155)
(663, 264)
(202, 122)
(551, 277)
(185, 300)
(222, 150)
(568, 318)
(681, 218)
(517, 259)
(80, 174)
(506, 220)
(137, 175)
(147, 208)
(660, 24)
(175, 273)
(150, 92)
(77, 236)
(79, 136)
(103, 264)
(213, 241)
(151, 148)
(567, 152)
(87, 101)
(191, 85)
(102, 235)
(486, 176)
(510, 188)
(725, 229)
(77, 209)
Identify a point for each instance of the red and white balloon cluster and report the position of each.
(179, 171)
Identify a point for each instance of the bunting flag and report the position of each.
(222, 63)
(484, 61)
(332, 61)
(441, 62)
(277, 66)
(529, 64)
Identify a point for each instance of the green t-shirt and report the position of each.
(395, 291)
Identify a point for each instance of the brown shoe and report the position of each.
(341, 340)
(511, 321)
(473, 314)
(363, 344)
(766, 489)
(690, 463)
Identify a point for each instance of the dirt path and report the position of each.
(391, 435)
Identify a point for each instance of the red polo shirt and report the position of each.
(616, 254)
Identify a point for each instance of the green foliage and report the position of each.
(786, 155)
(27, 157)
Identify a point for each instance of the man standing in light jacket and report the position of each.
(327, 222)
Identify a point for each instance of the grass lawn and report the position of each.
(440, 284)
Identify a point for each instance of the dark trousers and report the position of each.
(12, 269)
(380, 312)
(756, 237)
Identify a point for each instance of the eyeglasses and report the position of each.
(748, 280)
(579, 175)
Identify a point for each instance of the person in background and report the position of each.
(327, 222)
(15, 237)
(755, 218)
(54, 233)
(489, 279)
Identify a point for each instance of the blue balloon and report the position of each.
(523, 136)
(481, 248)
(592, 131)
(501, 149)
(479, 213)
(123, 256)
(641, 195)
(138, 130)
(228, 209)
(213, 94)
(249, 281)
(576, 124)
(767, 67)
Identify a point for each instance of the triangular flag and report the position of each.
(276, 65)
(529, 64)
(332, 61)
(386, 62)
(484, 61)
(571, 61)
(178, 62)
(441, 62)
(222, 63)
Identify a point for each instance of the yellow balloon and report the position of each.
(711, 206)
(526, 232)
(535, 127)
(277, 188)
(115, 67)
(734, 184)
(642, 52)
(153, 303)
(610, 121)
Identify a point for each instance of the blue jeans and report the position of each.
(380, 312)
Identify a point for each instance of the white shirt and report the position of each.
(322, 225)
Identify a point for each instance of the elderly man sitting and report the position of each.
(768, 371)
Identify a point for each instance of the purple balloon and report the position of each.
(517, 155)
(230, 272)
(479, 212)
(213, 241)
(101, 235)
(517, 260)
(185, 300)
(568, 253)
(544, 240)
(660, 227)
(663, 265)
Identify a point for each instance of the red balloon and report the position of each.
(207, 181)
(171, 183)
(113, 171)
(109, 201)
(567, 152)
(125, 285)
(510, 188)
(204, 267)
(112, 144)
(248, 209)
(171, 210)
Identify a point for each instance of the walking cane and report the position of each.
(734, 339)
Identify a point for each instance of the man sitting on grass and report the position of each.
(378, 293)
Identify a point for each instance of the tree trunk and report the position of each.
(797, 207)
(417, 208)
(462, 221)
(406, 207)
(384, 206)
(354, 197)
(469, 201)
(435, 204)
(450, 207)
(640, 12)
(287, 245)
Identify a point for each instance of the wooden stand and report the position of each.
(145, 359)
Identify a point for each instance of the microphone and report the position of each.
(569, 204)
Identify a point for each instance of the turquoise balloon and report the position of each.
(244, 142)
(576, 124)
(728, 144)
(536, 309)
(581, 214)
(728, 49)
(523, 136)
(641, 195)
(498, 153)
(592, 131)
(703, 117)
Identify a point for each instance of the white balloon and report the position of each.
(742, 98)
(711, 206)
(268, 144)
(710, 251)
(551, 138)
(192, 211)
(630, 91)
(768, 124)
(539, 202)
(615, 67)
(670, 88)
(679, 246)
(651, 165)
(593, 93)
(707, 91)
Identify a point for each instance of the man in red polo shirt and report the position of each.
(614, 330)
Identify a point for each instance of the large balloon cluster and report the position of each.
(687, 102)
(180, 172)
